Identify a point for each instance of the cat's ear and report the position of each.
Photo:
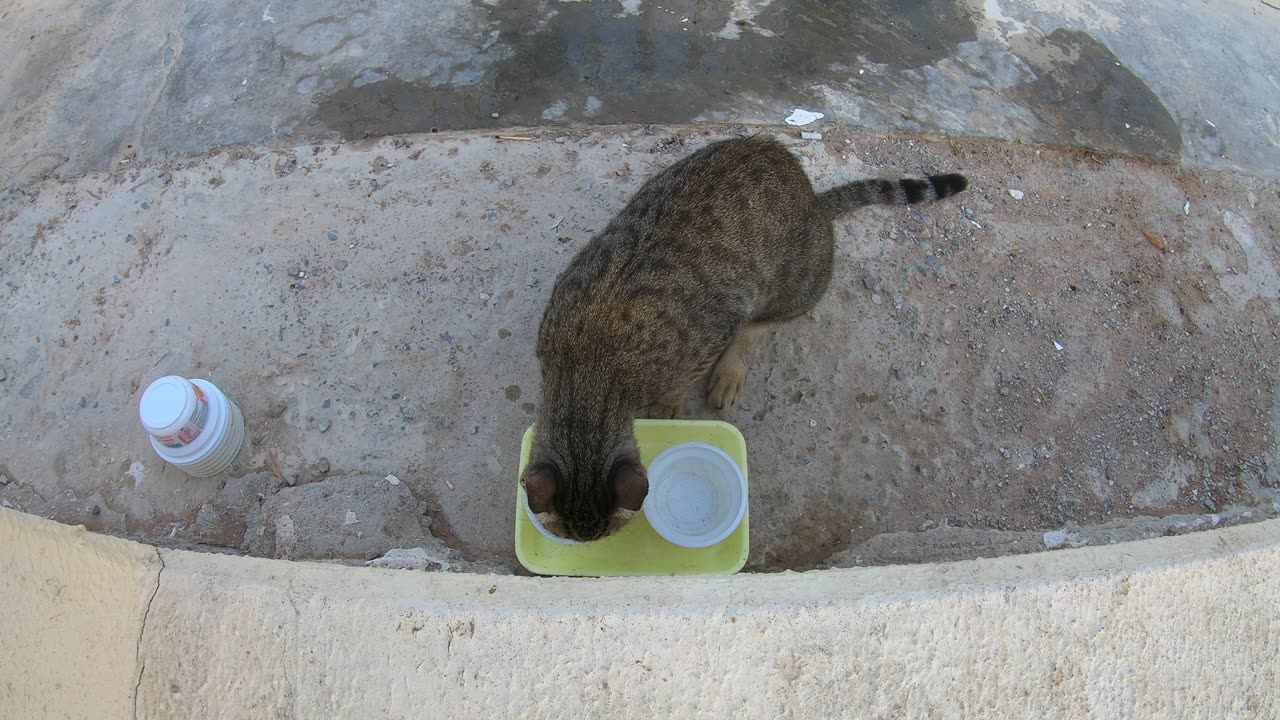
(630, 485)
(540, 485)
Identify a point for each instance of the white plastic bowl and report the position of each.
(697, 495)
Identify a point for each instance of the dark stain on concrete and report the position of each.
(587, 64)
(1086, 97)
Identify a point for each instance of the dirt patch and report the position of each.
(999, 362)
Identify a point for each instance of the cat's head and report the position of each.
(585, 504)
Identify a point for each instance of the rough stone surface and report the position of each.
(1179, 627)
(223, 521)
(71, 615)
(949, 544)
(355, 516)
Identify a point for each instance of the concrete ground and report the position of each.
(257, 196)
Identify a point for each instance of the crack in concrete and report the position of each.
(142, 632)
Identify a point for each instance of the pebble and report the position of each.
(393, 479)
(322, 465)
(323, 425)
(326, 404)
(4, 479)
(560, 140)
(257, 439)
(493, 115)
(1004, 392)
(4, 374)
(333, 235)
(350, 519)
(340, 265)
(916, 216)
(1016, 194)
(871, 283)
(277, 408)
(807, 135)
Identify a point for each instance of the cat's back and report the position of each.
(691, 244)
(728, 185)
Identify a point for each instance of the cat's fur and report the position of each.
(707, 254)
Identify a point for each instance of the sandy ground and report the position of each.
(988, 363)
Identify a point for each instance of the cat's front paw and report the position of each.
(726, 384)
(666, 411)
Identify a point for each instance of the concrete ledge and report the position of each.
(1176, 627)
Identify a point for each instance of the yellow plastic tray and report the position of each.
(637, 549)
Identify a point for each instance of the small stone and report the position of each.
(808, 135)
(393, 480)
(95, 510)
(813, 423)
(333, 235)
(339, 265)
(4, 374)
(1209, 503)
(323, 425)
(1016, 194)
(1057, 346)
(560, 140)
(1004, 392)
(916, 216)
(257, 439)
(277, 408)
(4, 479)
(900, 374)
(871, 283)
(350, 519)
(493, 115)
(326, 404)
(322, 466)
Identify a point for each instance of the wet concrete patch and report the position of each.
(588, 63)
(1085, 96)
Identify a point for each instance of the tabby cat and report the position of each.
(708, 255)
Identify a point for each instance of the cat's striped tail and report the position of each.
(907, 191)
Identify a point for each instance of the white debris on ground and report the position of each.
(800, 116)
